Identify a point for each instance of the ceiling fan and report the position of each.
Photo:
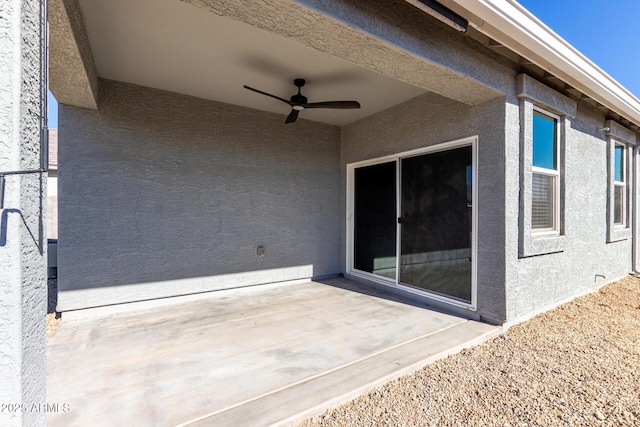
(299, 102)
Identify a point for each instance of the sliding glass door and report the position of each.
(412, 221)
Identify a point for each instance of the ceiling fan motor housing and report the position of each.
(299, 99)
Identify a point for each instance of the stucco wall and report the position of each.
(163, 194)
(537, 283)
(432, 119)
(22, 231)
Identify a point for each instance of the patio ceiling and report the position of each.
(210, 49)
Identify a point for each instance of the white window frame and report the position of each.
(555, 230)
(471, 141)
(619, 136)
(622, 184)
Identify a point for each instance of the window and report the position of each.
(620, 179)
(545, 177)
(619, 186)
(545, 117)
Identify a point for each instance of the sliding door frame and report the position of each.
(397, 158)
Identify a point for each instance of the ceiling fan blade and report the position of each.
(268, 94)
(346, 105)
(292, 117)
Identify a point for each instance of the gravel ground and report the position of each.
(576, 365)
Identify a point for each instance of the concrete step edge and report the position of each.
(283, 407)
(296, 419)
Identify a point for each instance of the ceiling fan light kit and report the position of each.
(299, 102)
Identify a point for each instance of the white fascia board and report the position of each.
(513, 26)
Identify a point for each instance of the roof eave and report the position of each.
(513, 26)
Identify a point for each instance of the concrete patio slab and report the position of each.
(263, 355)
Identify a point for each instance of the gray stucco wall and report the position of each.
(22, 234)
(536, 283)
(432, 119)
(162, 194)
(440, 58)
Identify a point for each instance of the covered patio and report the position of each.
(271, 354)
(179, 185)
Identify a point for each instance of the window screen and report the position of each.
(618, 201)
(543, 201)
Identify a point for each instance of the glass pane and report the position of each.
(543, 201)
(544, 141)
(375, 219)
(436, 223)
(618, 163)
(618, 207)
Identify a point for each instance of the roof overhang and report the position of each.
(513, 26)
(74, 74)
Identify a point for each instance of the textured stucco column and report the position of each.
(22, 242)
